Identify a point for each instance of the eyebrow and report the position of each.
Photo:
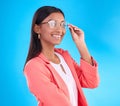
(55, 20)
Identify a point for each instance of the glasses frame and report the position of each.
(55, 24)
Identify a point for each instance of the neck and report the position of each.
(48, 52)
(50, 55)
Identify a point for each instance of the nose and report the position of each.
(59, 26)
(60, 30)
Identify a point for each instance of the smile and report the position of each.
(57, 36)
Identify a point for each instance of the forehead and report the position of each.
(55, 16)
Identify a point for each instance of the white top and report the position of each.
(67, 78)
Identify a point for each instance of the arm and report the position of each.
(41, 85)
(87, 71)
(87, 74)
(78, 38)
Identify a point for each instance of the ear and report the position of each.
(36, 29)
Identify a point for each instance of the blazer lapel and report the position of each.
(58, 80)
(81, 97)
(56, 77)
(69, 63)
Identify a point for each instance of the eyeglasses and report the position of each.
(54, 23)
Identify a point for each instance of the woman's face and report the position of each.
(52, 29)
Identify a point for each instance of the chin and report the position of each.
(57, 43)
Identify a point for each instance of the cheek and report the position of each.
(64, 32)
(44, 31)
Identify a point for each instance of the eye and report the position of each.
(52, 23)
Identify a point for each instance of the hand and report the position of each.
(77, 34)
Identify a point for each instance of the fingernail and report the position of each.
(75, 28)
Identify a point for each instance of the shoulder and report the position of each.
(35, 63)
(32, 63)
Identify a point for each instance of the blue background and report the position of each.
(100, 21)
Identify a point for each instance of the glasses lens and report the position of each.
(63, 24)
(52, 23)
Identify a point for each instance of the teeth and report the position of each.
(57, 36)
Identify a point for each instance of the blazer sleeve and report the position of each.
(41, 85)
(87, 73)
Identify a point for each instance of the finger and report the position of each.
(71, 30)
(75, 28)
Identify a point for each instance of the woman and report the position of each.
(52, 75)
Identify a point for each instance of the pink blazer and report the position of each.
(48, 87)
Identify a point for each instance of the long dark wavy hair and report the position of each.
(35, 44)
